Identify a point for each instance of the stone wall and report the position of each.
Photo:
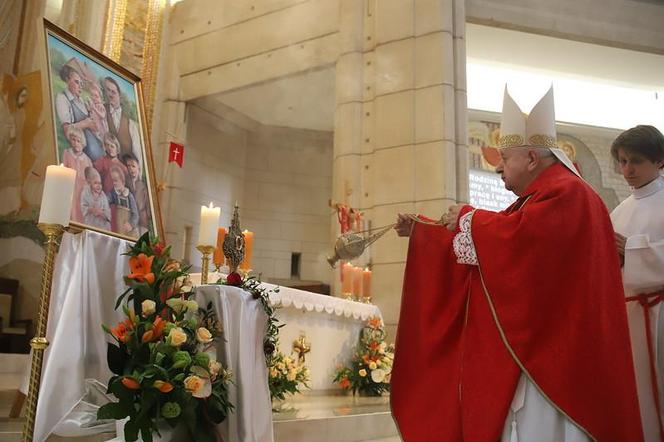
(286, 192)
(280, 177)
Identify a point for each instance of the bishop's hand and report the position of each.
(450, 218)
(404, 224)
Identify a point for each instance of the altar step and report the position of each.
(335, 418)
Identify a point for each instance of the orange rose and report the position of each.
(141, 268)
(344, 383)
(131, 383)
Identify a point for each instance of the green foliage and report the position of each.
(253, 285)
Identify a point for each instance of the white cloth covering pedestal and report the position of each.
(86, 283)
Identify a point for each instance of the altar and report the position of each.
(332, 325)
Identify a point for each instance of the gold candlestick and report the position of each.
(205, 265)
(39, 343)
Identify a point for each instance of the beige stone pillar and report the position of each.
(400, 141)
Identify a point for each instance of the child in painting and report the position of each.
(94, 203)
(104, 164)
(74, 158)
(124, 213)
(97, 111)
(140, 190)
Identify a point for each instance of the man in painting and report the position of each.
(119, 124)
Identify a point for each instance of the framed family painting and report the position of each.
(101, 132)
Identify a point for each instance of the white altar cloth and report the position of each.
(332, 325)
(87, 280)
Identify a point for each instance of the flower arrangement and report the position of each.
(162, 371)
(370, 368)
(286, 375)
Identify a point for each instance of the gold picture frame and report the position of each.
(100, 129)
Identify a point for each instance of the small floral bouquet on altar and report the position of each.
(162, 371)
(371, 366)
(287, 375)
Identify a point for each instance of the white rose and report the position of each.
(214, 367)
(148, 307)
(362, 372)
(203, 335)
(378, 375)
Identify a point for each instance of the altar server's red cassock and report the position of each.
(545, 300)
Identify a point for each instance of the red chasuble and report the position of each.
(545, 300)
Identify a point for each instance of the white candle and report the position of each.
(57, 195)
(207, 234)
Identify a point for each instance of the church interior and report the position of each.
(285, 126)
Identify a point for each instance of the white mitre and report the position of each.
(535, 130)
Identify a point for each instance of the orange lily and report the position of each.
(374, 345)
(147, 336)
(131, 383)
(344, 383)
(121, 331)
(141, 268)
(375, 322)
(158, 327)
(164, 387)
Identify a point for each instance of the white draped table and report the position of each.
(332, 325)
(87, 280)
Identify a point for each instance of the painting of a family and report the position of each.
(97, 128)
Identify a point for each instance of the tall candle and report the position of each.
(207, 234)
(218, 258)
(346, 278)
(357, 282)
(248, 250)
(57, 195)
(366, 283)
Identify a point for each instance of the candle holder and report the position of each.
(39, 343)
(206, 251)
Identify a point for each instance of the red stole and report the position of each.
(545, 300)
